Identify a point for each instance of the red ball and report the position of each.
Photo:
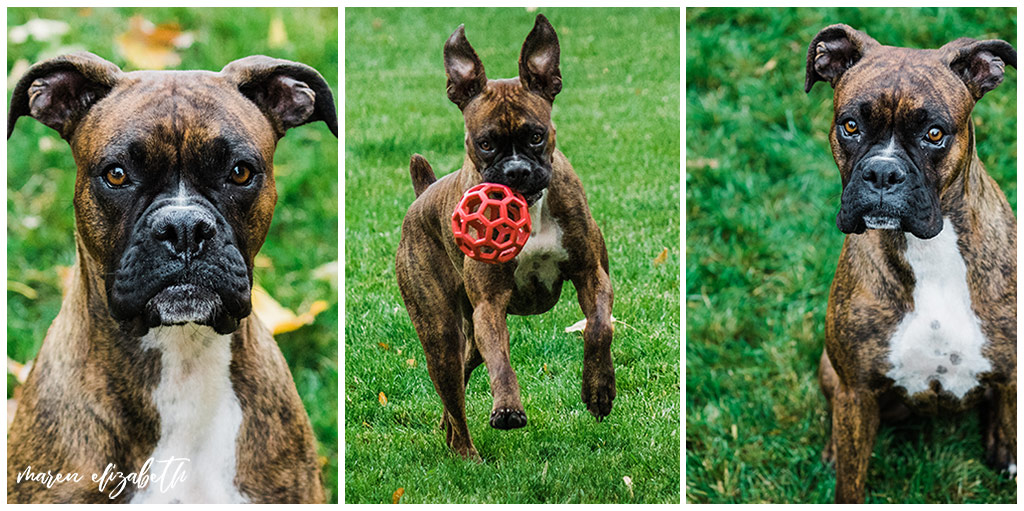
(491, 223)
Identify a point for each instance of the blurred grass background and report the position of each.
(618, 123)
(762, 194)
(304, 232)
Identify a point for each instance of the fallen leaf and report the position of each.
(262, 261)
(39, 29)
(629, 484)
(22, 289)
(577, 326)
(395, 497)
(19, 68)
(581, 324)
(411, 362)
(278, 318)
(383, 399)
(384, 345)
(277, 36)
(662, 257)
(327, 272)
(19, 370)
(149, 46)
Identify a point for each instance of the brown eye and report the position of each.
(935, 135)
(536, 138)
(116, 176)
(241, 174)
(850, 127)
(485, 145)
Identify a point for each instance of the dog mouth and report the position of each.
(881, 222)
(179, 304)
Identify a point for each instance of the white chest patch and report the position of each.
(199, 416)
(543, 251)
(941, 339)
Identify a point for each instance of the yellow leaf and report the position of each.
(277, 36)
(149, 46)
(395, 497)
(383, 399)
(20, 371)
(278, 318)
(22, 289)
(384, 345)
(662, 257)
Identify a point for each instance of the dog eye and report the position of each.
(536, 138)
(850, 127)
(115, 176)
(485, 145)
(241, 174)
(935, 135)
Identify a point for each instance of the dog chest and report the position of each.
(199, 417)
(941, 339)
(543, 252)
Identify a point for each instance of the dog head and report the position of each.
(902, 131)
(175, 187)
(509, 134)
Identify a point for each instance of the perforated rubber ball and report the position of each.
(491, 223)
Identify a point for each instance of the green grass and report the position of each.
(304, 232)
(762, 193)
(618, 123)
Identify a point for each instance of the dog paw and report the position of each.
(599, 392)
(1001, 459)
(507, 418)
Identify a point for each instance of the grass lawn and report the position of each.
(304, 232)
(618, 123)
(762, 194)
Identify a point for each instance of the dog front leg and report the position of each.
(489, 288)
(1001, 427)
(854, 426)
(594, 290)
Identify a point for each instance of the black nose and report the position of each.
(884, 176)
(516, 172)
(183, 230)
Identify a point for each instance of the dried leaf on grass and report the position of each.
(19, 370)
(149, 46)
(38, 29)
(395, 497)
(277, 36)
(279, 319)
(582, 324)
(382, 399)
(661, 258)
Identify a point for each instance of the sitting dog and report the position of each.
(154, 368)
(922, 314)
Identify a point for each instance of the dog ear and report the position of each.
(288, 93)
(538, 61)
(59, 91)
(980, 64)
(463, 68)
(835, 49)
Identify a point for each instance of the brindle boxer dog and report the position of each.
(458, 305)
(154, 354)
(922, 315)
